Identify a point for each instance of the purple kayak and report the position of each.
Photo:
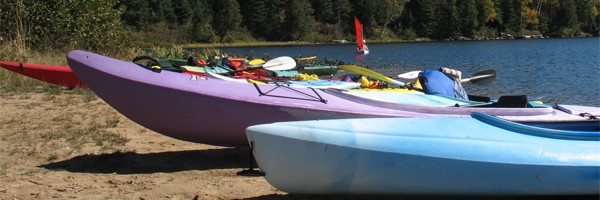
(217, 112)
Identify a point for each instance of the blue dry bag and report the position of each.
(436, 82)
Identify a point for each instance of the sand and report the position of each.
(70, 145)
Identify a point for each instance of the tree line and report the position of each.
(324, 20)
(98, 24)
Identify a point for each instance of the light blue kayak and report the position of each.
(286, 73)
(482, 155)
(411, 98)
(321, 84)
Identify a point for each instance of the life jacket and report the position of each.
(236, 63)
(366, 83)
(436, 82)
(306, 77)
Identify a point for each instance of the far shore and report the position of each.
(298, 43)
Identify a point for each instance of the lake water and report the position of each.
(563, 71)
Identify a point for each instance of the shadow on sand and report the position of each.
(135, 163)
(415, 197)
(175, 161)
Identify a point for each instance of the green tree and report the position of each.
(256, 16)
(367, 12)
(227, 17)
(547, 11)
(404, 28)
(324, 11)
(299, 22)
(511, 17)
(93, 25)
(162, 11)
(106, 35)
(137, 13)
(529, 13)
(467, 16)
(268, 17)
(406, 20)
(201, 31)
(486, 13)
(566, 20)
(344, 18)
(278, 17)
(587, 11)
(447, 20)
(425, 17)
(389, 11)
(184, 11)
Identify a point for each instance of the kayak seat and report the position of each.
(157, 65)
(479, 98)
(512, 101)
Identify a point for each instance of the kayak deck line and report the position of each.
(277, 86)
(534, 130)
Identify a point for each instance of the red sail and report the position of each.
(359, 33)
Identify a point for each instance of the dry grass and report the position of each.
(12, 82)
(60, 135)
(3, 168)
(44, 134)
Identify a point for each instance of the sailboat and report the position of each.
(360, 40)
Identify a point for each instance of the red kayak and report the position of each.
(58, 75)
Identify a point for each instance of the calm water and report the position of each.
(563, 71)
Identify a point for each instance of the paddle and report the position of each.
(375, 75)
(307, 58)
(256, 62)
(410, 75)
(280, 63)
(483, 77)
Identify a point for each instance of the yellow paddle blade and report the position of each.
(417, 85)
(256, 62)
(308, 58)
(367, 72)
(255, 81)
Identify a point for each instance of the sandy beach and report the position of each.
(72, 145)
(69, 144)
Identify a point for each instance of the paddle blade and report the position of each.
(307, 58)
(255, 62)
(484, 77)
(410, 75)
(366, 72)
(280, 63)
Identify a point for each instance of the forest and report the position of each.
(109, 25)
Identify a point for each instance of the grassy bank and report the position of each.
(243, 44)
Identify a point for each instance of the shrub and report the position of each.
(93, 25)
